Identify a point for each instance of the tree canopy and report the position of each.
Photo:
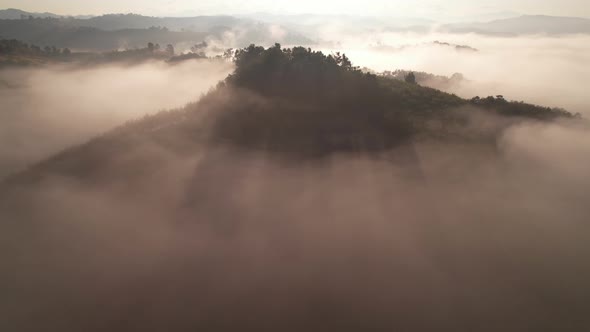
(317, 103)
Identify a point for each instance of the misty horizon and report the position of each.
(476, 17)
(345, 170)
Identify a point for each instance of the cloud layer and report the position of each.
(45, 110)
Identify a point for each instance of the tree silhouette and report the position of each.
(170, 49)
(411, 78)
(199, 48)
(318, 104)
(228, 54)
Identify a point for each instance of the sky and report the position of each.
(433, 9)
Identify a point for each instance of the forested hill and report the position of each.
(61, 33)
(322, 103)
(298, 103)
(16, 53)
(128, 31)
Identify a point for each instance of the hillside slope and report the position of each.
(301, 103)
(304, 195)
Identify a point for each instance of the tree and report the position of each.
(337, 57)
(228, 54)
(346, 63)
(151, 46)
(340, 59)
(66, 51)
(199, 48)
(411, 78)
(170, 49)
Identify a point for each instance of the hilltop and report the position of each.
(302, 194)
(298, 103)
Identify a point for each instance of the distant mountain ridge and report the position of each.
(17, 14)
(115, 31)
(526, 24)
(315, 106)
(134, 21)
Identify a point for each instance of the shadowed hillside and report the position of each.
(302, 103)
(324, 104)
(302, 194)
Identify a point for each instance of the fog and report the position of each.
(44, 110)
(545, 70)
(143, 229)
(224, 238)
(429, 236)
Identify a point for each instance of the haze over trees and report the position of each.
(324, 101)
(15, 47)
(410, 78)
(19, 54)
(301, 103)
(296, 191)
(439, 82)
(277, 186)
(316, 105)
(115, 31)
(525, 25)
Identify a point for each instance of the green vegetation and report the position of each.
(503, 107)
(410, 78)
(302, 104)
(108, 32)
(72, 33)
(18, 53)
(8, 47)
(14, 52)
(438, 82)
(317, 104)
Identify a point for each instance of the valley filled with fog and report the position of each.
(545, 70)
(48, 109)
(265, 172)
(45, 110)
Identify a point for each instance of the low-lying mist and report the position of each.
(152, 227)
(545, 70)
(45, 110)
(429, 236)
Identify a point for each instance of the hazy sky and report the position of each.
(437, 9)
